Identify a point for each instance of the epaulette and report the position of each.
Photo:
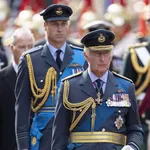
(122, 76)
(72, 76)
(137, 45)
(32, 50)
(76, 47)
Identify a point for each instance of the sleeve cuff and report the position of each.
(134, 146)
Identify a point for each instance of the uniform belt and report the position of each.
(47, 109)
(95, 137)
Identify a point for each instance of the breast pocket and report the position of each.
(40, 81)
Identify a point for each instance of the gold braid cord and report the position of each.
(82, 107)
(140, 70)
(50, 80)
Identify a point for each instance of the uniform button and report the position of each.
(41, 80)
(60, 73)
(103, 130)
(119, 111)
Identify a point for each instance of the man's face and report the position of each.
(21, 45)
(56, 31)
(99, 62)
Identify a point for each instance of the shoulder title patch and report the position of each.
(72, 76)
(122, 76)
(32, 50)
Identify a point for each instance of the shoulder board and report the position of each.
(143, 44)
(72, 76)
(32, 50)
(122, 76)
(76, 47)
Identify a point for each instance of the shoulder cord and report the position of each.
(140, 70)
(41, 93)
(82, 107)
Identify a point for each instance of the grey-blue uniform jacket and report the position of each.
(118, 115)
(42, 60)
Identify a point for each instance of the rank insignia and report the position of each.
(33, 140)
(119, 122)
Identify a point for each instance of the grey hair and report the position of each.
(19, 33)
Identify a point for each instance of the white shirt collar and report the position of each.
(54, 49)
(15, 66)
(94, 77)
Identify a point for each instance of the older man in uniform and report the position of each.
(103, 115)
(40, 72)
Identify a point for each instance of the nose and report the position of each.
(101, 57)
(59, 28)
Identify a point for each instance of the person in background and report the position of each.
(4, 12)
(97, 24)
(40, 72)
(124, 36)
(22, 40)
(104, 113)
(137, 67)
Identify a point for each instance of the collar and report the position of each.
(15, 66)
(54, 49)
(94, 77)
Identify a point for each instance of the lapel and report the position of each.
(46, 54)
(67, 57)
(111, 86)
(10, 77)
(86, 85)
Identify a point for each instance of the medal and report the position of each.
(98, 100)
(119, 122)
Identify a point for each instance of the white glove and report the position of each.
(127, 147)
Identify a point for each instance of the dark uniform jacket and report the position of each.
(81, 88)
(42, 60)
(7, 109)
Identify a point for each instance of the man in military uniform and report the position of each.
(40, 72)
(120, 17)
(137, 68)
(104, 113)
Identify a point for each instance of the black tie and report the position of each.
(58, 60)
(99, 83)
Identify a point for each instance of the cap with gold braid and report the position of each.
(98, 40)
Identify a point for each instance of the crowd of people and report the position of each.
(61, 89)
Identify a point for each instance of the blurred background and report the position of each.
(126, 15)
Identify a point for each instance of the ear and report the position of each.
(86, 56)
(11, 48)
(45, 25)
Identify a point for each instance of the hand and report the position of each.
(127, 147)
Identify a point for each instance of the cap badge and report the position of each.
(59, 11)
(101, 38)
